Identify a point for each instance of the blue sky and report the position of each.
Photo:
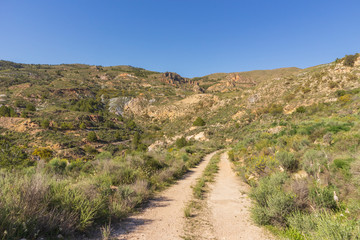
(190, 37)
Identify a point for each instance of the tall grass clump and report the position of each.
(207, 176)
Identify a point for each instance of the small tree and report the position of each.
(199, 122)
(181, 142)
(92, 137)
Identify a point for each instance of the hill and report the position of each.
(92, 143)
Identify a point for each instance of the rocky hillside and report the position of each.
(74, 94)
(92, 143)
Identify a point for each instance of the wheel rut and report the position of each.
(163, 219)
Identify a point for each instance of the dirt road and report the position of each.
(229, 206)
(225, 214)
(164, 218)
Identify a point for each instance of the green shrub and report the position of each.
(11, 156)
(287, 160)
(199, 122)
(323, 197)
(181, 142)
(30, 107)
(342, 165)
(349, 60)
(313, 160)
(45, 123)
(43, 153)
(275, 109)
(67, 126)
(86, 105)
(58, 165)
(24, 114)
(7, 111)
(91, 136)
(20, 103)
(280, 206)
(90, 150)
(273, 205)
(301, 109)
(345, 98)
(340, 93)
(266, 187)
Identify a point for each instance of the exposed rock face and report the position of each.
(197, 88)
(177, 80)
(233, 81)
(117, 105)
(174, 78)
(190, 105)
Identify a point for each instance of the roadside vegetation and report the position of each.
(304, 169)
(62, 196)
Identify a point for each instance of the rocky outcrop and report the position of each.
(117, 105)
(175, 79)
(140, 106)
(232, 82)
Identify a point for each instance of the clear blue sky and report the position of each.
(191, 37)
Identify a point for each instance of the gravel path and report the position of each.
(164, 218)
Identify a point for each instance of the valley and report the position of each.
(121, 152)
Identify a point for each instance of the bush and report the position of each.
(345, 98)
(58, 165)
(273, 205)
(7, 111)
(301, 109)
(91, 136)
(11, 156)
(349, 60)
(340, 93)
(181, 142)
(287, 160)
(199, 122)
(67, 126)
(313, 160)
(275, 109)
(43, 153)
(86, 105)
(323, 197)
(30, 107)
(45, 123)
(280, 206)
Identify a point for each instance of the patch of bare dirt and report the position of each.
(19, 124)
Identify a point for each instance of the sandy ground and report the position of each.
(164, 218)
(230, 206)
